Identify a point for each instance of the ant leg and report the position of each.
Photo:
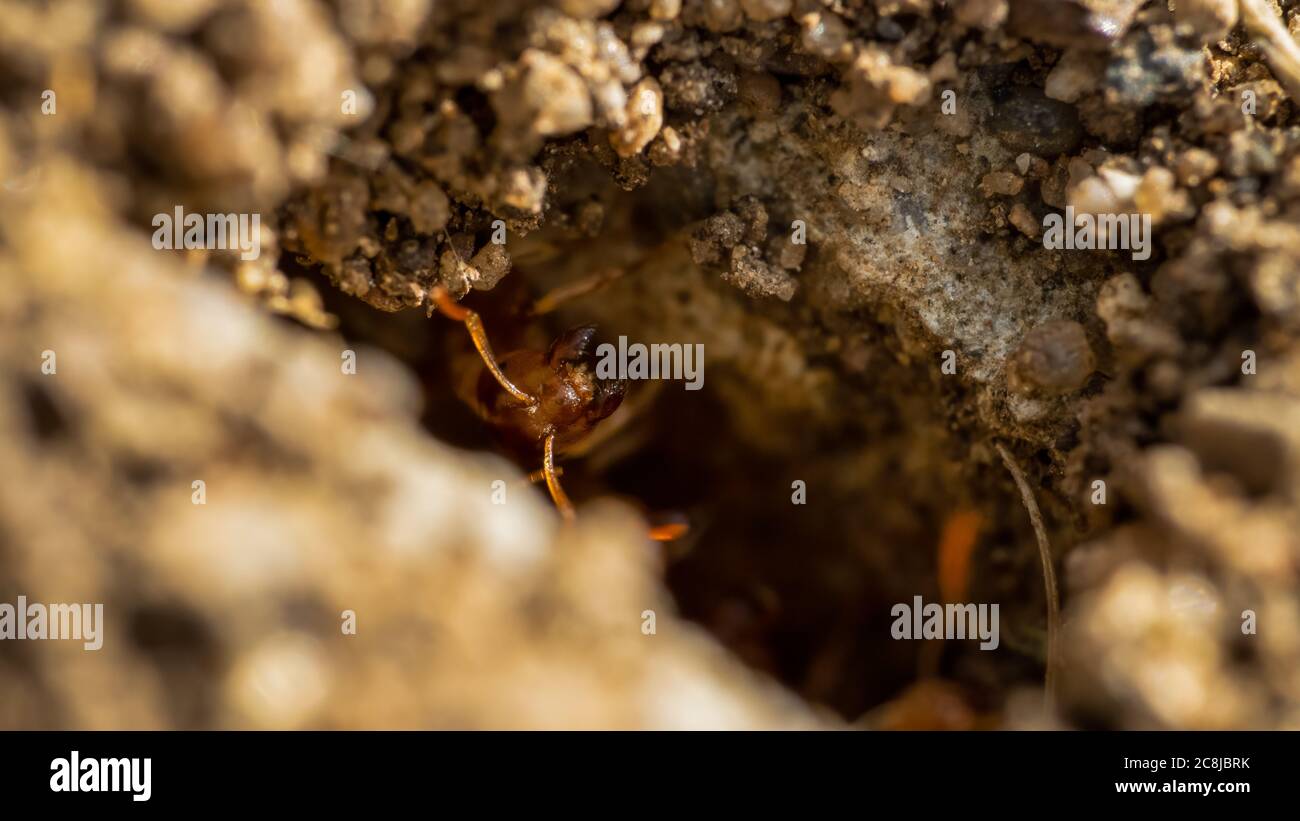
(571, 290)
(668, 527)
(459, 313)
(553, 480)
(956, 547)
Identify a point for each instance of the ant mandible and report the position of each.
(545, 401)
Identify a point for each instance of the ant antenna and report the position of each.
(453, 310)
(551, 473)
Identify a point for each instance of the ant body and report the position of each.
(539, 402)
(543, 403)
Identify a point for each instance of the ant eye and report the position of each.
(572, 345)
(609, 397)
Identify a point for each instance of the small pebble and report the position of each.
(1054, 358)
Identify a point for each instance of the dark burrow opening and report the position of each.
(803, 591)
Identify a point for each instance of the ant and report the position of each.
(541, 403)
(561, 400)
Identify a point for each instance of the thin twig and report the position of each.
(1049, 570)
(1278, 45)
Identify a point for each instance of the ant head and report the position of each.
(572, 357)
(570, 398)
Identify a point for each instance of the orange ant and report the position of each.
(541, 403)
